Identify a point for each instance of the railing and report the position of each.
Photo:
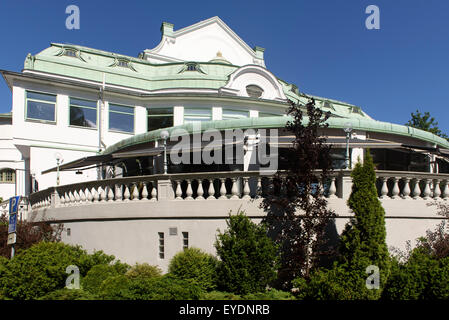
(230, 186)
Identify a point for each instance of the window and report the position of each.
(83, 113)
(234, 114)
(123, 63)
(191, 67)
(161, 245)
(254, 91)
(70, 53)
(194, 115)
(185, 240)
(69, 232)
(40, 106)
(160, 118)
(7, 176)
(265, 114)
(327, 104)
(121, 118)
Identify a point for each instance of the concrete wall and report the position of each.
(129, 230)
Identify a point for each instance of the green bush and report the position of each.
(220, 295)
(272, 294)
(97, 274)
(68, 294)
(421, 277)
(143, 270)
(160, 288)
(196, 266)
(41, 269)
(115, 288)
(249, 258)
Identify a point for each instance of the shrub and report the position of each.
(272, 294)
(196, 266)
(220, 295)
(249, 258)
(143, 270)
(421, 277)
(98, 273)
(41, 269)
(68, 294)
(160, 288)
(115, 288)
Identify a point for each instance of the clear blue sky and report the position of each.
(321, 46)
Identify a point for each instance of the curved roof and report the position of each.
(279, 122)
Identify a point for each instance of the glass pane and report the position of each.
(234, 114)
(161, 111)
(41, 96)
(262, 115)
(159, 122)
(40, 110)
(121, 122)
(198, 112)
(85, 103)
(114, 107)
(83, 117)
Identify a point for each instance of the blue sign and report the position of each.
(12, 223)
(14, 204)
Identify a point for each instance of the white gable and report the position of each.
(201, 42)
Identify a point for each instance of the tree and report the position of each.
(363, 241)
(297, 212)
(425, 122)
(28, 234)
(248, 256)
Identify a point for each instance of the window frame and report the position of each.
(191, 121)
(236, 110)
(43, 101)
(3, 172)
(96, 108)
(149, 116)
(120, 112)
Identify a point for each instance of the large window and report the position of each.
(83, 113)
(195, 115)
(40, 106)
(7, 176)
(160, 118)
(121, 118)
(234, 114)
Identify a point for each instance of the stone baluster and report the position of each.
(234, 189)
(144, 192)
(102, 193)
(178, 190)
(436, 189)
(77, 197)
(200, 190)
(72, 198)
(135, 192)
(222, 188)
(189, 191)
(395, 191)
(445, 194)
(332, 189)
(89, 196)
(384, 189)
(110, 194)
(406, 189)
(246, 189)
(416, 190)
(259, 187)
(95, 194)
(154, 191)
(62, 200)
(211, 190)
(426, 192)
(82, 196)
(126, 194)
(118, 192)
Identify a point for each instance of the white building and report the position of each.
(102, 113)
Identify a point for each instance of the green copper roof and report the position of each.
(279, 122)
(90, 64)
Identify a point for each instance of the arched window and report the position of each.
(7, 176)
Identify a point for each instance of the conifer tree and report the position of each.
(363, 242)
